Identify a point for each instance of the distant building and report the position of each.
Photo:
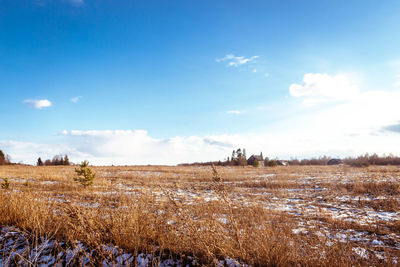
(282, 162)
(335, 162)
(253, 158)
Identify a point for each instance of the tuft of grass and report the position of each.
(5, 184)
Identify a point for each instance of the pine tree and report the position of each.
(61, 160)
(66, 161)
(239, 153)
(39, 162)
(85, 174)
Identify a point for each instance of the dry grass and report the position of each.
(260, 216)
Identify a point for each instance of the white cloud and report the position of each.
(235, 61)
(318, 88)
(38, 103)
(76, 99)
(234, 112)
(137, 147)
(28, 152)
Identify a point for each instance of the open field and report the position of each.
(152, 215)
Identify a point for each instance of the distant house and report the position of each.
(335, 162)
(253, 158)
(282, 162)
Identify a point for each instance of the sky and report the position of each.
(167, 82)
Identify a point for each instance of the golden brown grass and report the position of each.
(245, 213)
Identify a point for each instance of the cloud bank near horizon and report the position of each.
(342, 120)
(137, 147)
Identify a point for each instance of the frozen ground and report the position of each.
(359, 207)
(17, 249)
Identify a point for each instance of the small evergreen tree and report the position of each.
(85, 174)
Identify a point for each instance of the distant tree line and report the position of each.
(4, 159)
(57, 160)
(239, 158)
(313, 161)
(374, 159)
(360, 161)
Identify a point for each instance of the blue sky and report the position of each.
(163, 82)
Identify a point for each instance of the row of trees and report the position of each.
(238, 158)
(360, 161)
(374, 159)
(313, 161)
(57, 160)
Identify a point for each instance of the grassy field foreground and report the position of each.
(336, 215)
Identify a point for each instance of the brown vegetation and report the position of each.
(260, 216)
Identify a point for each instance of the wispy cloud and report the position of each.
(76, 2)
(70, 2)
(393, 128)
(234, 112)
(38, 103)
(40, 2)
(236, 61)
(319, 87)
(76, 99)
